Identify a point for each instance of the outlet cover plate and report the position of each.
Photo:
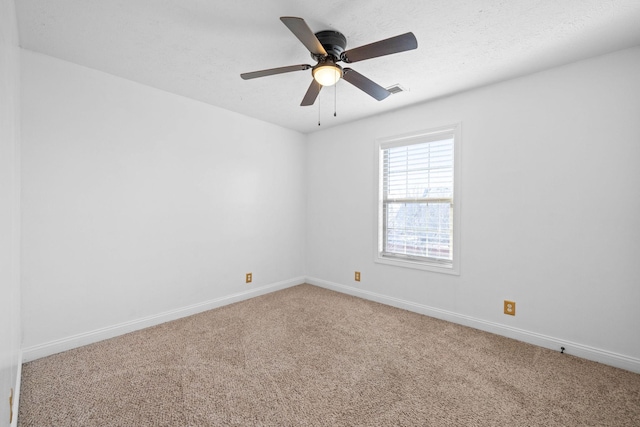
(509, 308)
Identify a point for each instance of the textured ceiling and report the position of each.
(198, 48)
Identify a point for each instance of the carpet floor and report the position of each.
(307, 356)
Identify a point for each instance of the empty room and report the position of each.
(278, 213)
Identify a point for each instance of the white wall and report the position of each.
(9, 206)
(137, 202)
(550, 209)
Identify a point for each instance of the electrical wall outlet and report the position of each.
(249, 277)
(509, 308)
(357, 276)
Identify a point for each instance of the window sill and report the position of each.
(418, 265)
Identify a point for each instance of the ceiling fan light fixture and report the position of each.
(327, 74)
(328, 47)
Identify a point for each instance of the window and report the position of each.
(417, 202)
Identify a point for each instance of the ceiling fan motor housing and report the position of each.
(333, 42)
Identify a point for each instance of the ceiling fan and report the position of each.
(327, 49)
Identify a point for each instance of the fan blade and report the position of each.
(312, 94)
(388, 46)
(302, 31)
(272, 71)
(364, 84)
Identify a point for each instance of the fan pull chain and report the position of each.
(335, 99)
(318, 109)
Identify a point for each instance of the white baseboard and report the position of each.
(89, 337)
(586, 352)
(590, 353)
(16, 392)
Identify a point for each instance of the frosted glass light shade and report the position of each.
(327, 75)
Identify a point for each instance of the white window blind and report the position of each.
(416, 218)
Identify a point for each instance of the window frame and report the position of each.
(428, 135)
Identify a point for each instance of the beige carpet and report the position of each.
(306, 356)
